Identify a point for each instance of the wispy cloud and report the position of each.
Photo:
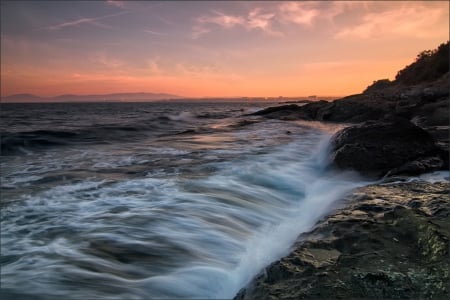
(266, 18)
(83, 20)
(222, 19)
(413, 21)
(107, 61)
(255, 19)
(198, 31)
(211, 70)
(154, 32)
(77, 22)
(303, 13)
(116, 3)
(153, 66)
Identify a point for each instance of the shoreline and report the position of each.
(388, 240)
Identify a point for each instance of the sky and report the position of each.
(212, 48)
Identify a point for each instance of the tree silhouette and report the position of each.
(429, 66)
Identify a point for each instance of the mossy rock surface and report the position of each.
(388, 241)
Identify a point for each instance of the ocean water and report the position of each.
(155, 200)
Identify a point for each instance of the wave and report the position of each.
(24, 142)
(13, 143)
(171, 237)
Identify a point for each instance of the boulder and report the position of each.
(397, 145)
(355, 109)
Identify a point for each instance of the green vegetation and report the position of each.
(429, 65)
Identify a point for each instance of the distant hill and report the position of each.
(22, 98)
(117, 97)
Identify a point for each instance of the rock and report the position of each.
(434, 113)
(395, 246)
(425, 103)
(293, 111)
(375, 148)
(419, 166)
(355, 109)
(278, 111)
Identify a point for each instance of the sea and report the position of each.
(155, 200)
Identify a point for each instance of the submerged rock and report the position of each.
(390, 241)
(396, 146)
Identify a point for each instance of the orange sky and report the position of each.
(212, 49)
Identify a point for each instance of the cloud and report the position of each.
(223, 20)
(202, 27)
(414, 20)
(153, 65)
(77, 22)
(198, 31)
(189, 69)
(107, 61)
(269, 17)
(303, 13)
(255, 19)
(91, 21)
(116, 3)
(154, 32)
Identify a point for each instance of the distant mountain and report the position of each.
(22, 98)
(117, 97)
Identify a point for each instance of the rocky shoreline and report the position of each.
(391, 239)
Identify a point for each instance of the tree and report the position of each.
(429, 65)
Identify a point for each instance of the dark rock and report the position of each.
(392, 240)
(278, 111)
(375, 148)
(419, 166)
(399, 250)
(293, 111)
(355, 109)
(434, 113)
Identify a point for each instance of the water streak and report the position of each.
(195, 215)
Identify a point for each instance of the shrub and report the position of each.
(378, 85)
(429, 66)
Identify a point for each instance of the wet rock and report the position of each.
(375, 148)
(392, 248)
(419, 166)
(426, 104)
(293, 111)
(433, 113)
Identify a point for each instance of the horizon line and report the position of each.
(315, 96)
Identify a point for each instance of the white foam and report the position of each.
(217, 232)
(437, 176)
(431, 177)
(185, 116)
(119, 162)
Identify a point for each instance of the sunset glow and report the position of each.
(212, 49)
